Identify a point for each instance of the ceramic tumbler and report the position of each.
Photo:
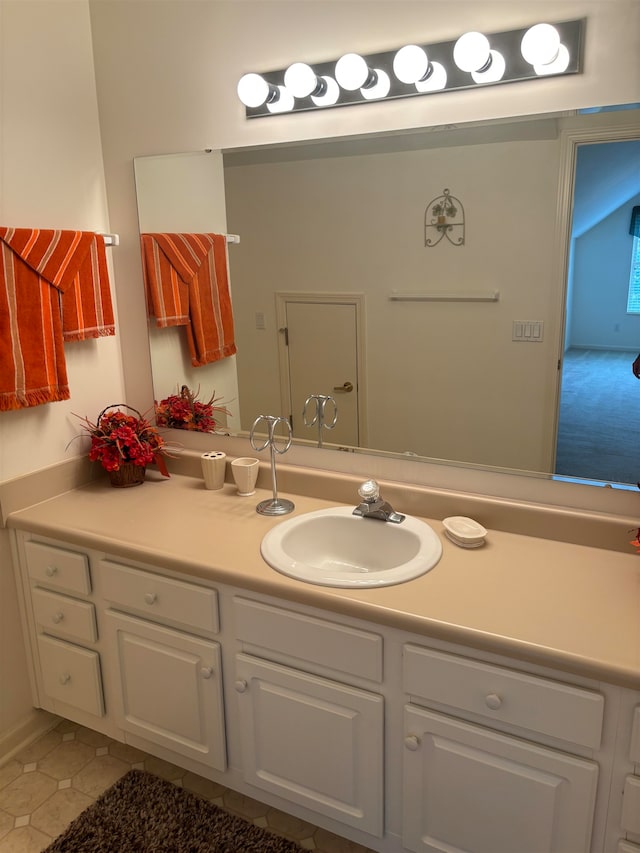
(214, 466)
(245, 474)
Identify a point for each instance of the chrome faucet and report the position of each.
(373, 506)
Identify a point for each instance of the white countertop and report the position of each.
(567, 606)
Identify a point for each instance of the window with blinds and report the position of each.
(633, 299)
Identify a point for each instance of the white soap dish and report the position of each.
(464, 531)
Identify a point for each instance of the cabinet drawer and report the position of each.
(162, 599)
(305, 638)
(537, 704)
(71, 675)
(59, 614)
(631, 805)
(627, 847)
(58, 567)
(634, 751)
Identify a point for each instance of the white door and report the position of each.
(170, 688)
(321, 345)
(313, 741)
(468, 789)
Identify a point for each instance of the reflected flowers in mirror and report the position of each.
(185, 411)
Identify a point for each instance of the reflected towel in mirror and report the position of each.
(187, 284)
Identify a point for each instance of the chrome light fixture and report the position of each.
(471, 61)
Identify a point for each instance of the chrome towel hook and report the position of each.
(318, 403)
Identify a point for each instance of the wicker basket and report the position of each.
(128, 474)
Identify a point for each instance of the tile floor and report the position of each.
(45, 786)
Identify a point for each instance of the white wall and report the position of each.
(444, 379)
(51, 177)
(167, 73)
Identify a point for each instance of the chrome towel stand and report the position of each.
(275, 505)
(320, 401)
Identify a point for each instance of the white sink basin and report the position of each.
(333, 547)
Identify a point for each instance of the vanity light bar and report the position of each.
(471, 61)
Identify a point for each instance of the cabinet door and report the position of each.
(170, 688)
(316, 742)
(71, 675)
(470, 789)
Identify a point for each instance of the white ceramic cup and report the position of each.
(214, 465)
(245, 473)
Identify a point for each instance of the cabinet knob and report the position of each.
(206, 671)
(50, 571)
(57, 617)
(241, 685)
(65, 678)
(412, 742)
(493, 701)
(150, 597)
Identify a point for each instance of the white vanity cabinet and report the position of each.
(169, 680)
(386, 737)
(631, 793)
(470, 787)
(68, 675)
(308, 734)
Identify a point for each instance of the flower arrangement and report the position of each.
(118, 438)
(185, 411)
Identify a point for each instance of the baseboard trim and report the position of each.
(37, 723)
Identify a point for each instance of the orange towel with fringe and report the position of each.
(187, 284)
(54, 287)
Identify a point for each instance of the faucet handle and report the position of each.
(369, 491)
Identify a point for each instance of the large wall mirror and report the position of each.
(485, 352)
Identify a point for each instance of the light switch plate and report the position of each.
(528, 330)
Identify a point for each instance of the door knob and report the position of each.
(347, 388)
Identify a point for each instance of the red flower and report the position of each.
(117, 438)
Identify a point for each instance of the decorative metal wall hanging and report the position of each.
(444, 217)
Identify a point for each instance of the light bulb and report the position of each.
(301, 80)
(558, 66)
(352, 72)
(411, 64)
(330, 95)
(283, 103)
(494, 72)
(472, 52)
(540, 44)
(380, 88)
(435, 81)
(253, 90)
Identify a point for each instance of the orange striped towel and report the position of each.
(54, 286)
(187, 284)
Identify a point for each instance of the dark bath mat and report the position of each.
(144, 814)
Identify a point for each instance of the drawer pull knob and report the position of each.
(241, 685)
(150, 597)
(493, 701)
(412, 742)
(206, 671)
(50, 571)
(57, 617)
(65, 678)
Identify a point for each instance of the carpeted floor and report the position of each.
(142, 813)
(599, 422)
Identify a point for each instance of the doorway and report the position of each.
(598, 420)
(321, 352)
